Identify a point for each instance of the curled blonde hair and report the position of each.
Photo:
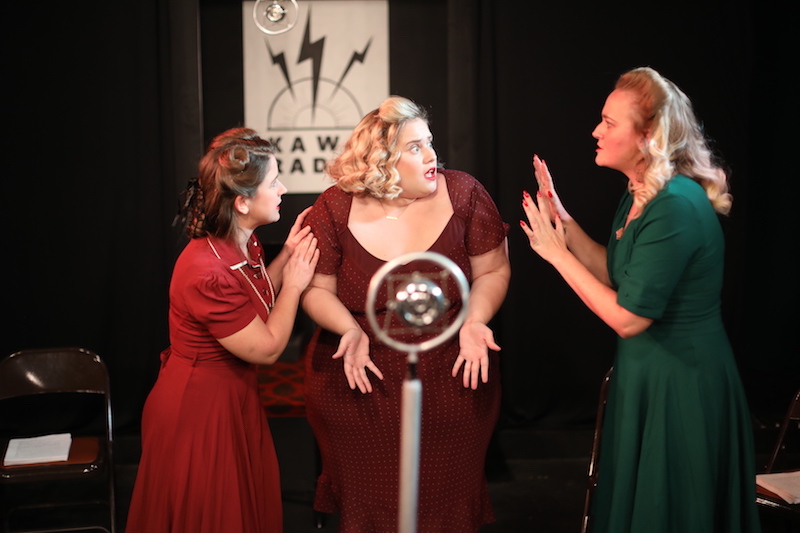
(675, 140)
(366, 165)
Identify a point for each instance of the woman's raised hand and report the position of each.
(300, 267)
(545, 182)
(297, 233)
(546, 238)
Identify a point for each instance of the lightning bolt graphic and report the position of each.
(312, 51)
(280, 60)
(356, 57)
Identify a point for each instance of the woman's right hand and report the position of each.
(297, 232)
(300, 267)
(354, 348)
(548, 190)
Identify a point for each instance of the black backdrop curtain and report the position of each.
(110, 105)
(89, 197)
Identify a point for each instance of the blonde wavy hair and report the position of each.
(675, 142)
(366, 165)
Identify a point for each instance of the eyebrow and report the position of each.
(415, 141)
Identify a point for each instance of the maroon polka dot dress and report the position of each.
(359, 434)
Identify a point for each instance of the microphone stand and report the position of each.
(410, 433)
(411, 405)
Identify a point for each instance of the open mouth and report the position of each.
(431, 174)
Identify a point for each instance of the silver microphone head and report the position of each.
(417, 302)
(420, 302)
(274, 17)
(275, 12)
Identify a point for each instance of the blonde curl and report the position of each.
(675, 142)
(367, 164)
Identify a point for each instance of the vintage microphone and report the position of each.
(419, 302)
(274, 17)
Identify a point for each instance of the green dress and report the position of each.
(676, 451)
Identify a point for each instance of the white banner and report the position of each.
(307, 88)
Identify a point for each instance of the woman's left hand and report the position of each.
(546, 239)
(476, 339)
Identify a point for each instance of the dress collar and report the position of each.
(229, 253)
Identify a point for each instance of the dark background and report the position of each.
(109, 105)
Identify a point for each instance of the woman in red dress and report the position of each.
(391, 198)
(208, 462)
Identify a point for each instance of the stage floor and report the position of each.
(537, 478)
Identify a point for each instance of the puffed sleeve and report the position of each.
(485, 229)
(325, 220)
(665, 241)
(219, 303)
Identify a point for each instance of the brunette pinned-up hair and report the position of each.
(235, 164)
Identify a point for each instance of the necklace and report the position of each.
(633, 214)
(402, 210)
(240, 268)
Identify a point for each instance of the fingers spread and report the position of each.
(375, 370)
(457, 366)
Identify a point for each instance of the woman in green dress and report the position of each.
(676, 452)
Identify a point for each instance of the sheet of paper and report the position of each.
(784, 484)
(42, 449)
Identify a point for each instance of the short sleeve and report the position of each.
(324, 218)
(219, 304)
(665, 239)
(484, 227)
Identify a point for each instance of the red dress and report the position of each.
(359, 434)
(208, 462)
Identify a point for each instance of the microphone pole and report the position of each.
(410, 434)
(419, 304)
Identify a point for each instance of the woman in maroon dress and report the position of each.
(208, 462)
(392, 198)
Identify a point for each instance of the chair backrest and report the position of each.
(586, 524)
(794, 410)
(34, 374)
(52, 370)
(792, 415)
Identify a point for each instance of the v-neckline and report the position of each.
(433, 244)
(430, 248)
